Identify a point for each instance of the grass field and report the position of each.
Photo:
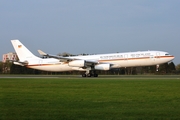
(89, 98)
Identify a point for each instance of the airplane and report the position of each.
(89, 63)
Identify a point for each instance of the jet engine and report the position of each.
(77, 63)
(102, 67)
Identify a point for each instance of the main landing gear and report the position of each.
(90, 74)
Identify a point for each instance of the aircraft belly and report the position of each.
(53, 68)
(143, 62)
(134, 63)
(161, 60)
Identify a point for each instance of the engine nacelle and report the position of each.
(102, 67)
(77, 63)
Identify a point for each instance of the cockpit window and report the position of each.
(166, 54)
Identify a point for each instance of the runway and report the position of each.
(100, 76)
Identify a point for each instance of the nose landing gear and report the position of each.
(157, 67)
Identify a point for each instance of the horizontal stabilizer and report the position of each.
(21, 63)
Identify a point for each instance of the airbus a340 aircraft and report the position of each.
(89, 63)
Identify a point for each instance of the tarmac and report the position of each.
(99, 77)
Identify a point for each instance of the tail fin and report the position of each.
(22, 52)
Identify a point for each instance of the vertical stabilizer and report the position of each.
(22, 52)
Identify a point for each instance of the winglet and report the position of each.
(42, 53)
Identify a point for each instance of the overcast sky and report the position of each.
(91, 26)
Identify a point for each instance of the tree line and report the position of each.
(167, 68)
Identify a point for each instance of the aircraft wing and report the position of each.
(66, 59)
(54, 56)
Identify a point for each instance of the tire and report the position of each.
(83, 75)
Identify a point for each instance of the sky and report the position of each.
(91, 26)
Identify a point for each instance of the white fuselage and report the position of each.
(128, 59)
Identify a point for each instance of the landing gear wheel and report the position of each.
(89, 75)
(95, 75)
(83, 75)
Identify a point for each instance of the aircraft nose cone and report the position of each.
(172, 57)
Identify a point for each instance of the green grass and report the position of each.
(84, 98)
